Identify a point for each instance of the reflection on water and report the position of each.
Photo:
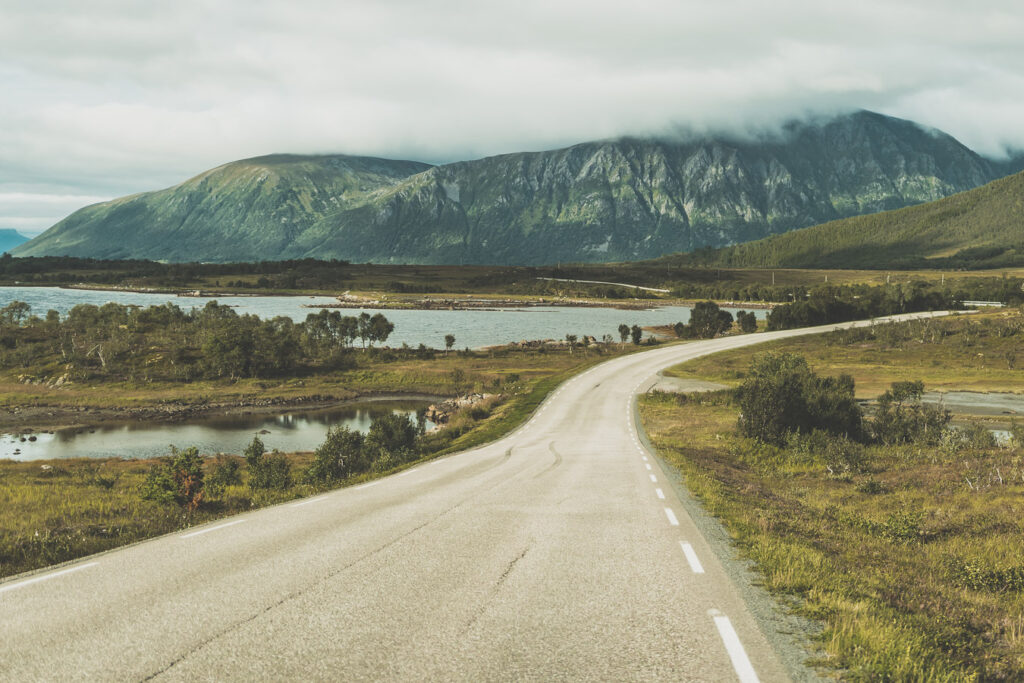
(292, 431)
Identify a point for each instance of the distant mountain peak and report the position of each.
(617, 199)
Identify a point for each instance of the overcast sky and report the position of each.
(109, 97)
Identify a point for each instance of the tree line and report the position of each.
(167, 342)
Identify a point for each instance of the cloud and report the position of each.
(115, 96)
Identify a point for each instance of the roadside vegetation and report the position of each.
(58, 510)
(900, 532)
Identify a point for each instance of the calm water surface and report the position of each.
(287, 431)
(473, 329)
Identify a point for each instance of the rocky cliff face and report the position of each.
(600, 201)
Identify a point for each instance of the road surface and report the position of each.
(557, 553)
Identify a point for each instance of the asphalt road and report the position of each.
(558, 553)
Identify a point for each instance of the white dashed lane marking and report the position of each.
(671, 517)
(740, 661)
(691, 558)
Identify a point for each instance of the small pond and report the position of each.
(285, 431)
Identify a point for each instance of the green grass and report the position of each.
(913, 563)
(976, 353)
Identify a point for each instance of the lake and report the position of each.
(472, 328)
(286, 431)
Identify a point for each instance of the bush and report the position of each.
(708, 320)
(267, 471)
(781, 394)
(339, 456)
(178, 478)
(901, 417)
(226, 472)
(392, 433)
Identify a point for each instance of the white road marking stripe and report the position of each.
(307, 501)
(648, 466)
(740, 661)
(661, 494)
(654, 479)
(671, 517)
(645, 458)
(692, 558)
(46, 577)
(408, 472)
(366, 486)
(212, 528)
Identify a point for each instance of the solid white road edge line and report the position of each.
(46, 577)
(307, 501)
(212, 528)
(692, 558)
(740, 661)
(671, 517)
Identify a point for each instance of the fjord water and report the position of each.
(472, 328)
(286, 431)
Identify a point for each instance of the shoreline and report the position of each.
(52, 419)
(423, 303)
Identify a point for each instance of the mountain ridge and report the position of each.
(609, 200)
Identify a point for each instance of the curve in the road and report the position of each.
(555, 553)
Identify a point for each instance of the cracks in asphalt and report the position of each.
(298, 592)
(484, 605)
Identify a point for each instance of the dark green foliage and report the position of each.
(901, 417)
(339, 456)
(781, 395)
(707, 320)
(829, 304)
(177, 478)
(637, 333)
(226, 472)
(169, 343)
(271, 471)
(623, 332)
(746, 321)
(392, 433)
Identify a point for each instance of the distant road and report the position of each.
(601, 282)
(559, 552)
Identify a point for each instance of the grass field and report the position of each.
(976, 353)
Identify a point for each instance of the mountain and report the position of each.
(979, 228)
(609, 200)
(252, 209)
(10, 239)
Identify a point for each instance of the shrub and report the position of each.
(266, 471)
(708, 320)
(339, 456)
(177, 478)
(901, 417)
(226, 472)
(392, 433)
(781, 394)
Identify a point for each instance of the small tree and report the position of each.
(449, 342)
(393, 435)
(458, 380)
(339, 456)
(708, 320)
(571, 341)
(623, 332)
(901, 417)
(637, 333)
(747, 321)
(177, 478)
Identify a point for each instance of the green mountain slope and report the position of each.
(246, 210)
(600, 201)
(979, 228)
